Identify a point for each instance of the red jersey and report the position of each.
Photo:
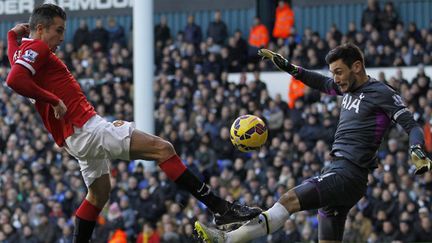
(52, 75)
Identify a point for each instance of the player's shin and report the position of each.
(183, 177)
(266, 223)
(85, 221)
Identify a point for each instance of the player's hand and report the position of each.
(21, 30)
(59, 110)
(420, 160)
(278, 60)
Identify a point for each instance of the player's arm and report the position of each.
(416, 141)
(312, 79)
(21, 81)
(32, 59)
(15, 34)
(12, 46)
(393, 105)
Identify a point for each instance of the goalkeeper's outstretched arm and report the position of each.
(416, 141)
(312, 79)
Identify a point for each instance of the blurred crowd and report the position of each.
(195, 103)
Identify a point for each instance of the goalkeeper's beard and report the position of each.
(353, 85)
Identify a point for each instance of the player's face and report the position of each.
(343, 75)
(54, 35)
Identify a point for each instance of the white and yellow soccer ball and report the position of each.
(248, 133)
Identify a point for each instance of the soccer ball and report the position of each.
(248, 133)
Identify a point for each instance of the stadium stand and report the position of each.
(195, 104)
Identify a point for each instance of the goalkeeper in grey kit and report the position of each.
(368, 108)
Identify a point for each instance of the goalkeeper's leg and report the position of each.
(331, 223)
(303, 197)
(267, 222)
(335, 191)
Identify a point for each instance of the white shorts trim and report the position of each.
(98, 142)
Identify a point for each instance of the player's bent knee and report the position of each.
(167, 147)
(150, 147)
(290, 201)
(165, 150)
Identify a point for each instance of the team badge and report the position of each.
(30, 55)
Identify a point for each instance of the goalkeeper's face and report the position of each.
(344, 76)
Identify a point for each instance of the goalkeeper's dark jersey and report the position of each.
(365, 115)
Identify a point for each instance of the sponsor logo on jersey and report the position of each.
(349, 103)
(30, 55)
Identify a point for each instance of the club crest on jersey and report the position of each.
(349, 103)
(30, 55)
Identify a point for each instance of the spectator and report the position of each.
(217, 29)
(188, 233)
(148, 232)
(82, 36)
(363, 225)
(274, 118)
(116, 33)
(207, 158)
(335, 33)
(388, 234)
(46, 231)
(352, 31)
(311, 131)
(413, 32)
(237, 48)
(128, 215)
(170, 234)
(10, 233)
(118, 236)
(100, 35)
(146, 201)
(258, 37)
(192, 32)
(211, 65)
(371, 14)
(288, 233)
(27, 236)
(405, 233)
(388, 18)
(284, 20)
(162, 31)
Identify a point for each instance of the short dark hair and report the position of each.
(44, 14)
(349, 53)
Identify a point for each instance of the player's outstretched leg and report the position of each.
(266, 223)
(224, 211)
(150, 147)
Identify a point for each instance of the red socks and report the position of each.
(173, 167)
(87, 211)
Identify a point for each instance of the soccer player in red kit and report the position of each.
(39, 74)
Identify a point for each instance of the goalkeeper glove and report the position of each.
(279, 61)
(419, 159)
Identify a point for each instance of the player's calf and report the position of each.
(89, 210)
